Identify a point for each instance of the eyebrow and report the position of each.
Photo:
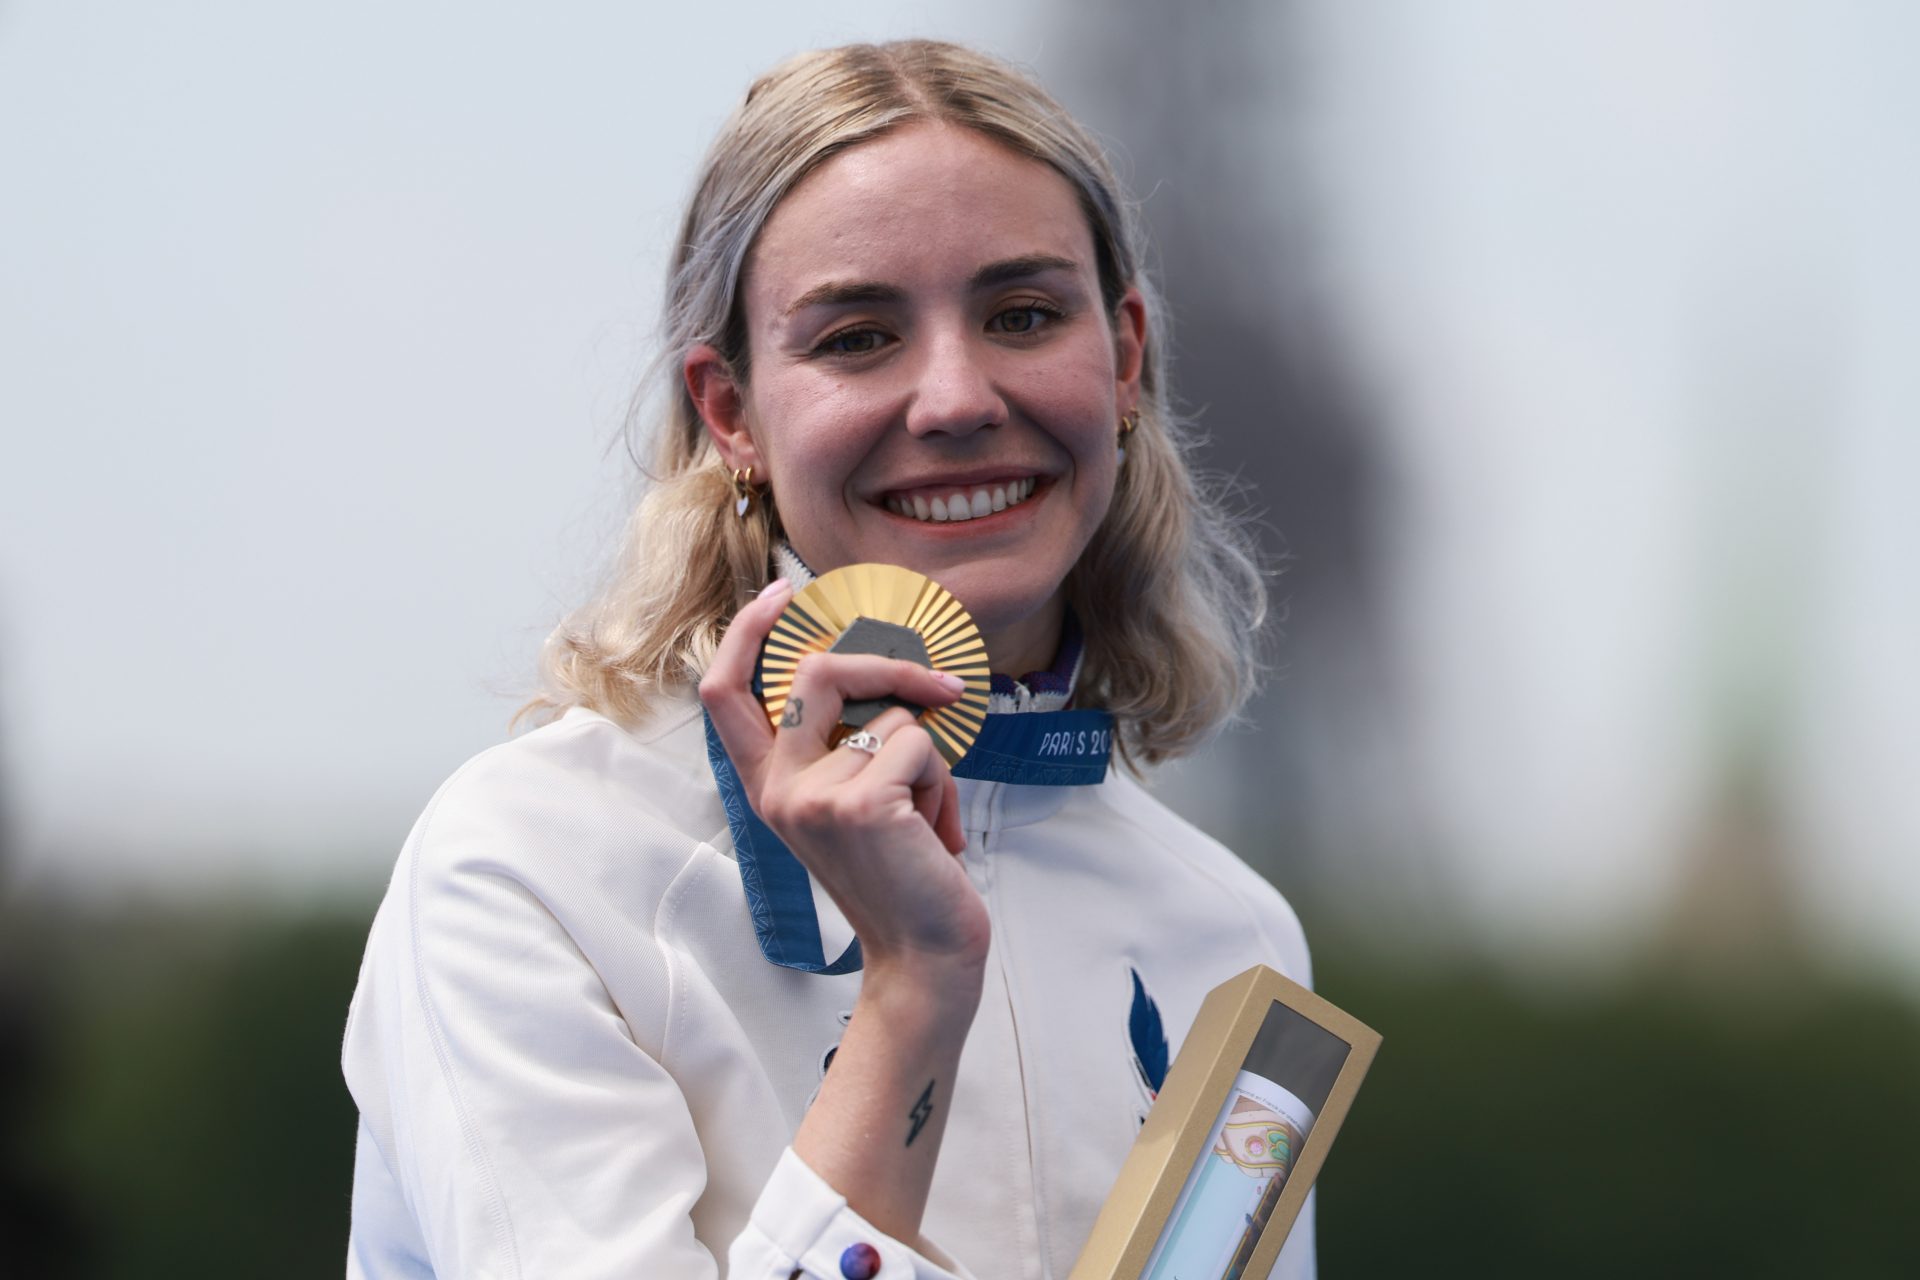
(840, 293)
(1022, 268)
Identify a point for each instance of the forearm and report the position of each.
(874, 1131)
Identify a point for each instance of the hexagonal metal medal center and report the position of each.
(888, 640)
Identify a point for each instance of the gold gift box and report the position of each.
(1261, 1085)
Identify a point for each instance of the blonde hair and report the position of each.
(1169, 587)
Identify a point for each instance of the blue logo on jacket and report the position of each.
(1149, 1039)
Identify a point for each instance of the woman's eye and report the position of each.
(1026, 318)
(852, 342)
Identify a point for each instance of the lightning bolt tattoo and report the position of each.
(921, 1110)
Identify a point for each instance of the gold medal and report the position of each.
(882, 608)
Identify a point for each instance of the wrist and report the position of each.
(912, 986)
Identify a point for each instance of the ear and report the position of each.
(1129, 348)
(722, 404)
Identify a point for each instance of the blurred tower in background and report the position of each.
(1204, 113)
(1568, 354)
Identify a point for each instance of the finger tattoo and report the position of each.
(790, 718)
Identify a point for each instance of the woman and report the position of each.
(906, 323)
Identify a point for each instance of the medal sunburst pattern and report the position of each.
(827, 606)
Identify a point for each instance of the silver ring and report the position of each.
(863, 740)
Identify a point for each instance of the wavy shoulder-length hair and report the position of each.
(1169, 587)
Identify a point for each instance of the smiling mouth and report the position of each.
(938, 506)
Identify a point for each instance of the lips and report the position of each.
(945, 504)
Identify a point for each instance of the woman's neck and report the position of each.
(1029, 644)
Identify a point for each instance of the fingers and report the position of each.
(781, 767)
(947, 824)
(727, 688)
(907, 757)
(824, 683)
(935, 797)
(939, 806)
(845, 762)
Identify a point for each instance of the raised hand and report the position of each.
(879, 830)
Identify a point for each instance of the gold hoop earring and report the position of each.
(1128, 421)
(743, 491)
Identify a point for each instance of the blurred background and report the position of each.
(1566, 354)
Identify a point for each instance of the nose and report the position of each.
(955, 392)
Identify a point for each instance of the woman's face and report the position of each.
(934, 379)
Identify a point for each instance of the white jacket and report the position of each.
(572, 1061)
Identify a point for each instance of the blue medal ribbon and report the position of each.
(1041, 749)
(1033, 748)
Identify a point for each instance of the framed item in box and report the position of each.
(1236, 1138)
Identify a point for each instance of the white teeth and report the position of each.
(944, 508)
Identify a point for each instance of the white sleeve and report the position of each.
(802, 1226)
(511, 1125)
